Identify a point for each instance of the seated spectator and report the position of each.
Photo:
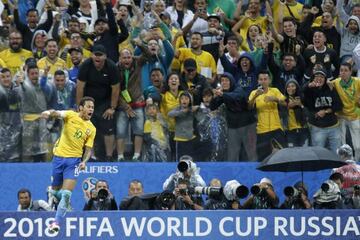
(101, 198)
(27, 204)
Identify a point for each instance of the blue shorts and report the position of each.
(64, 168)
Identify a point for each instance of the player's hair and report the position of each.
(24, 190)
(85, 99)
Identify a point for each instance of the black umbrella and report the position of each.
(301, 159)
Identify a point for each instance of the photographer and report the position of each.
(263, 196)
(186, 170)
(101, 199)
(184, 199)
(296, 197)
(329, 195)
(216, 202)
(27, 204)
(152, 201)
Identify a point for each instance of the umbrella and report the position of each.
(301, 159)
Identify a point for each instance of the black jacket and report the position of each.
(316, 99)
(281, 76)
(27, 34)
(237, 112)
(97, 205)
(200, 83)
(111, 38)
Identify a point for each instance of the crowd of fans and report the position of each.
(217, 80)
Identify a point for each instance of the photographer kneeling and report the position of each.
(101, 198)
(296, 197)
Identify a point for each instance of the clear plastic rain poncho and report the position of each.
(156, 142)
(212, 128)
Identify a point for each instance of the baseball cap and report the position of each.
(214, 16)
(98, 48)
(101, 19)
(77, 49)
(266, 180)
(320, 71)
(190, 63)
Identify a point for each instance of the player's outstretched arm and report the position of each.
(51, 113)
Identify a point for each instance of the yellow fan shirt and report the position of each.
(267, 112)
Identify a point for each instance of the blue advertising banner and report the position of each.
(256, 224)
(37, 177)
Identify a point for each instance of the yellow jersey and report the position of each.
(76, 134)
(267, 112)
(292, 123)
(168, 103)
(296, 10)
(205, 61)
(260, 21)
(2, 64)
(156, 130)
(180, 43)
(59, 64)
(349, 97)
(14, 60)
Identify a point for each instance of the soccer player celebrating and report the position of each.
(71, 152)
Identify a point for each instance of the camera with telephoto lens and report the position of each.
(325, 186)
(103, 194)
(183, 166)
(291, 192)
(233, 190)
(166, 199)
(255, 189)
(213, 192)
